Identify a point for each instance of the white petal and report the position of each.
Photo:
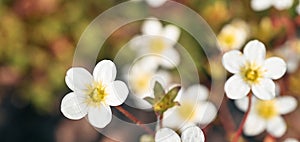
(196, 92)
(166, 135)
(117, 93)
(236, 88)
(100, 116)
(265, 89)
(233, 61)
(171, 32)
(192, 134)
(170, 58)
(259, 5)
(78, 79)
(206, 112)
(275, 67)
(242, 103)
(73, 108)
(156, 3)
(286, 104)
(254, 125)
(105, 71)
(151, 27)
(172, 118)
(283, 4)
(276, 126)
(255, 51)
(290, 140)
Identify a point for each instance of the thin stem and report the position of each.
(239, 131)
(160, 118)
(134, 119)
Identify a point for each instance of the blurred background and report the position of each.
(38, 40)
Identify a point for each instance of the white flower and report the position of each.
(141, 78)
(259, 5)
(252, 71)
(290, 140)
(233, 36)
(291, 53)
(267, 115)
(93, 95)
(190, 134)
(156, 3)
(158, 40)
(193, 109)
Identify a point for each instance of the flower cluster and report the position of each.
(182, 110)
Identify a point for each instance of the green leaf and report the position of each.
(173, 93)
(149, 100)
(158, 90)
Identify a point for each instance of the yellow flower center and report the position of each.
(187, 110)
(141, 83)
(266, 109)
(251, 73)
(227, 39)
(157, 45)
(97, 94)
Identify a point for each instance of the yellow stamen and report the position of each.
(187, 110)
(252, 73)
(96, 94)
(157, 45)
(141, 83)
(266, 109)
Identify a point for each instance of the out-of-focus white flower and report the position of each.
(93, 95)
(193, 109)
(156, 3)
(290, 51)
(190, 134)
(266, 115)
(298, 8)
(252, 71)
(234, 35)
(158, 40)
(259, 5)
(141, 78)
(291, 140)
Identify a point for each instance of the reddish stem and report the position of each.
(240, 130)
(135, 120)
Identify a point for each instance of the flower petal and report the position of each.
(171, 32)
(78, 79)
(196, 91)
(275, 67)
(206, 112)
(192, 134)
(255, 51)
(254, 125)
(233, 61)
(236, 88)
(105, 72)
(264, 90)
(166, 135)
(172, 119)
(259, 5)
(290, 140)
(100, 116)
(276, 126)
(170, 58)
(156, 3)
(286, 104)
(283, 4)
(151, 27)
(242, 103)
(72, 107)
(117, 93)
